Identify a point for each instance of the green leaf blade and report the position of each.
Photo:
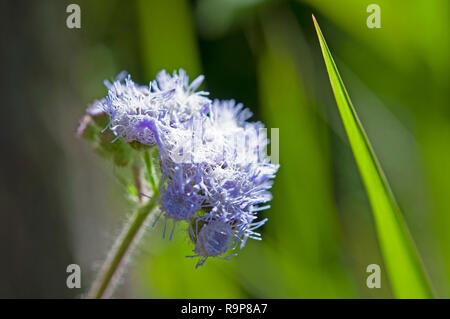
(404, 267)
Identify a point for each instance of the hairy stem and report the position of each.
(148, 157)
(116, 260)
(137, 176)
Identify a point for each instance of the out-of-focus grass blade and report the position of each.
(167, 37)
(302, 241)
(404, 267)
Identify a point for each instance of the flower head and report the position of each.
(215, 171)
(184, 102)
(180, 197)
(213, 240)
(170, 100)
(131, 110)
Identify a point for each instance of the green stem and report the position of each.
(121, 250)
(148, 165)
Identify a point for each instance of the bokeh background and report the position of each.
(62, 204)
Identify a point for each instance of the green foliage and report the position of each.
(404, 266)
(104, 142)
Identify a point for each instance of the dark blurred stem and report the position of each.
(116, 260)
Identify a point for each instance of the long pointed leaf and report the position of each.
(402, 260)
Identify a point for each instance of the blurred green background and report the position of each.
(61, 203)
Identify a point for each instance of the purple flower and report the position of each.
(215, 172)
(130, 110)
(221, 158)
(170, 100)
(213, 241)
(180, 197)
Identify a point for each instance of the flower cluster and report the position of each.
(215, 171)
